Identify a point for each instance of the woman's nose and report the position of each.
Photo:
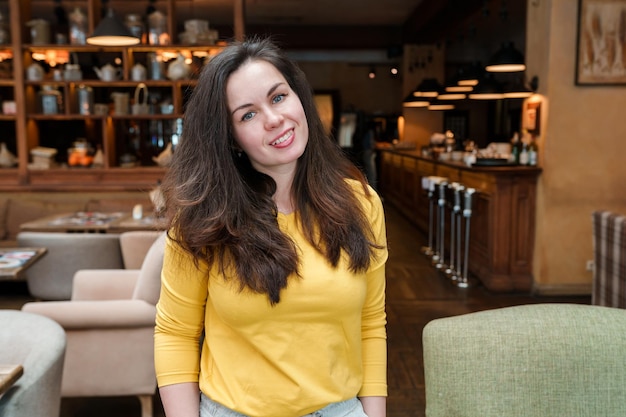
(273, 118)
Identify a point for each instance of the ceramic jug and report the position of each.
(178, 69)
(138, 72)
(108, 72)
(39, 31)
(34, 72)
(72, 72)
(120, 102)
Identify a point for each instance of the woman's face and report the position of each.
(268, 119)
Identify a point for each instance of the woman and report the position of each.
(272, 298)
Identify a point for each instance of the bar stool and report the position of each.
(463, 281)
(438, 258)
(428, 250)
(430, 183)
(454, 201)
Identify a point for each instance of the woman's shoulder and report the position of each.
(365, 193)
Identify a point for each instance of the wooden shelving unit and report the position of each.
(30, 128)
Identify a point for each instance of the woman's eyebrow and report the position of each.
(269, 93)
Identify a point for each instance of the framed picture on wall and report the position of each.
(601, 46)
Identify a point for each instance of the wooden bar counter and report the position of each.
(503, 215)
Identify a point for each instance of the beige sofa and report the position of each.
(109, 323)
(18, 208)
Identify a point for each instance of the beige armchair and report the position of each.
(38, 344)
(109, 324)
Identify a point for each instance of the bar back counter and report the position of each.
(502, 230)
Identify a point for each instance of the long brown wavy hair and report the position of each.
(221, 209)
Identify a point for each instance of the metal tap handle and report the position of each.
(467, 209)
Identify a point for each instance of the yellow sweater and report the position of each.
(324, 342)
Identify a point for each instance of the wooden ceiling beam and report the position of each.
(326, 37)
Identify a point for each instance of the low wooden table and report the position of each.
(8, 375)
(93, 222)
(13, 261)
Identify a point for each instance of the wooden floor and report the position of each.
(416, 294)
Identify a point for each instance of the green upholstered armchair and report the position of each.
(544, 360)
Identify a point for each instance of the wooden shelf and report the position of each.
(110, 133)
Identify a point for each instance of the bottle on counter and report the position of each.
(533, 151)
(524, 156)
(515, 149)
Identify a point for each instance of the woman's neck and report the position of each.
(282, 197)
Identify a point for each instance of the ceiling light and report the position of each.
(429, 87)
(459, 88)
(507, 59)
(470, 74)
(112, 32)
(450, 95)
(519, 89)
(438, 105)
(372, 73)
(413, 101)
(487, 89)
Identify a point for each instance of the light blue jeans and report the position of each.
(347, 408)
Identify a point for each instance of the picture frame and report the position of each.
(601, 42)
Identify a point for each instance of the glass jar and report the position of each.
(51, 100)
(157, 29)
(135, 25)
(78, 27)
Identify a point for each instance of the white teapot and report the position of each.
(108, 72)
(138, 72)
(35, 72)
(178, 69)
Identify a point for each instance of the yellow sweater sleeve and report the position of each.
(180, 317)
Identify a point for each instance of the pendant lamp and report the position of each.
(487, 89)
(111, 32)
(412, 101)
(429, 87)
(507, 59)
(440, 105)
(519, 89)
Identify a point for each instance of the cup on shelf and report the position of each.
(120, 103)
(101, 109)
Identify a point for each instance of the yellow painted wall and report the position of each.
(582, 150)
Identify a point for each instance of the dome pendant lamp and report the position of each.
(111, 32)
(507, 59)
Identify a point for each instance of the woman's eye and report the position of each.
(278, 98)
(247, 116)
